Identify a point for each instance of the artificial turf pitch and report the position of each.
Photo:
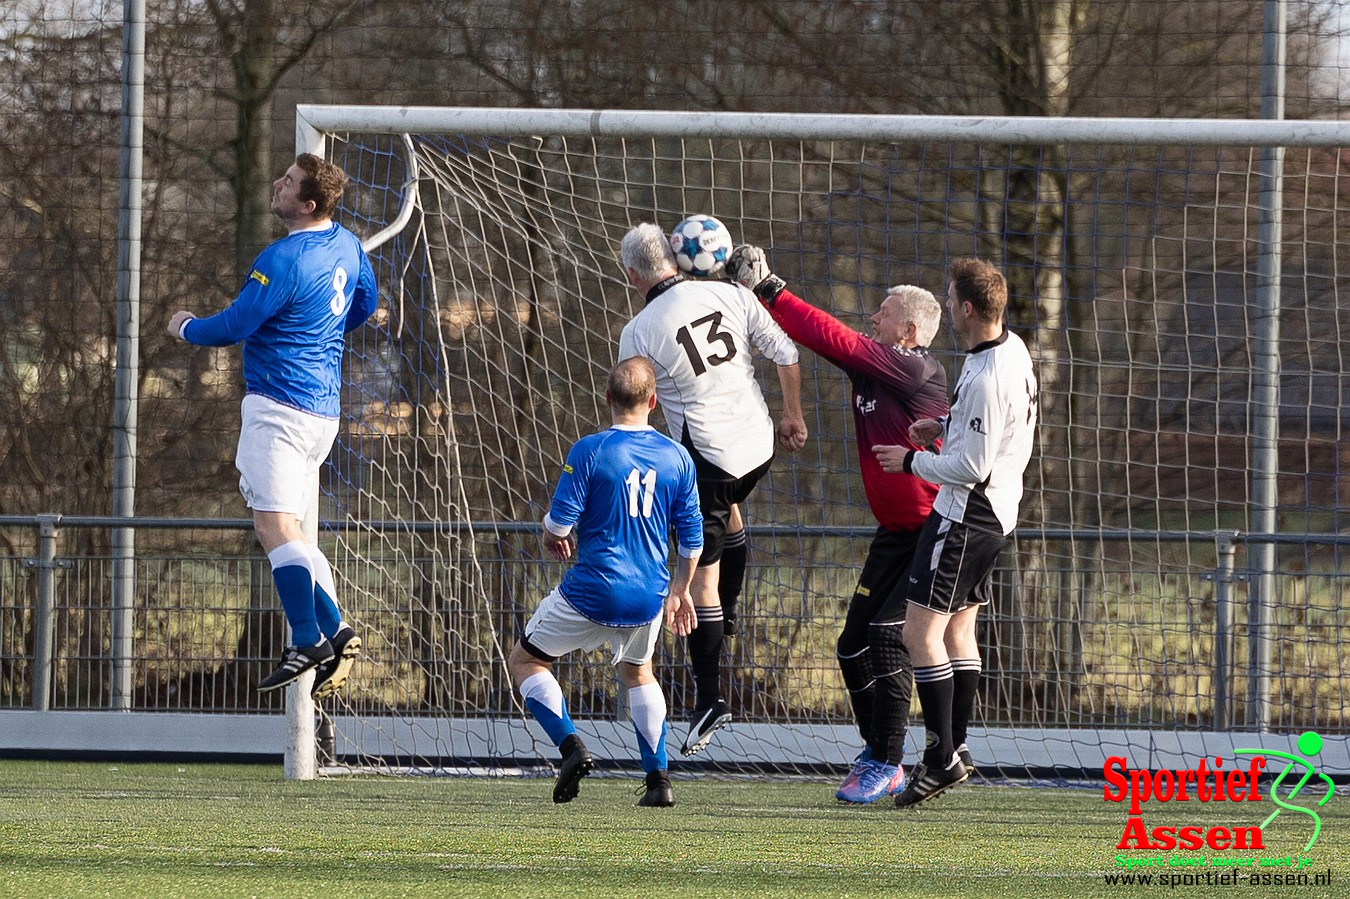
(73, 829)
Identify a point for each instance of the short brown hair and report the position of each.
(631, 383)
(323, 183)
(977, 282)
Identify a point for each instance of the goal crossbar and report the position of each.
(314, 120)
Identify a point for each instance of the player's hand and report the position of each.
(749, 267)
(792, 433)
(925, 431)
(892, 458)
(175, 327)
(680, 616)
(559, 548)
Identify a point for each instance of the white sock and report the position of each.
(647, 705)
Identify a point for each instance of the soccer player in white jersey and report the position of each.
(303, 294)
(620, 493)
(987, 440)
(699, 335)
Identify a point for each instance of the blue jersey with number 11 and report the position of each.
(302, 295)
(622, 491)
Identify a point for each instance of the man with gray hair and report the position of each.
(895, 382)
(699, 334)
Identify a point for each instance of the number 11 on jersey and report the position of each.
(641, 492)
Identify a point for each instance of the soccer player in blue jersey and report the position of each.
(620, 493)
(303, 293)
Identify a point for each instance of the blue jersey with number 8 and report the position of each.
(303, 293)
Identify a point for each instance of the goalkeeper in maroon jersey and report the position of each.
(895, 383)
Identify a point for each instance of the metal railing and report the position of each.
(1225, 579)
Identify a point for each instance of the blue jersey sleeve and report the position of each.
(254, 305)
(569, 497)
(687, 516)
(365, 299)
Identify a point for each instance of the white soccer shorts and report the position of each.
(557, 629)
(279, 454)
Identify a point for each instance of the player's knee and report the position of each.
(851, 643)
(885, 635)
(919, 634)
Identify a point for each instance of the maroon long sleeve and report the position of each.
(892, 388)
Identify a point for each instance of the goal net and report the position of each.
(1140, 602)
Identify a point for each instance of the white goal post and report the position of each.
(1144, 263)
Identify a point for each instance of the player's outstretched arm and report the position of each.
(749, 267)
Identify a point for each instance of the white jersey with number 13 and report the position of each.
(698, 335)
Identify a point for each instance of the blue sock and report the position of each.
(543, 697)
(326, 612)
(647, 705)
(295, 588)
(325, 606)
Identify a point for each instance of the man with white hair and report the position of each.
(895, 383)
(989, 435)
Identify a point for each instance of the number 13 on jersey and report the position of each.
(716, 334)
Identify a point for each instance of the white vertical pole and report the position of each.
(1264, 417)
(302, 760)
(126, 396)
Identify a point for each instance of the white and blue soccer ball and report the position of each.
(702, 246)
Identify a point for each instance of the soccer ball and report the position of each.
(702, 246)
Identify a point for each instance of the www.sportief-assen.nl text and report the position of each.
(1237, 877)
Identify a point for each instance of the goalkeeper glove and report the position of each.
(749, 268)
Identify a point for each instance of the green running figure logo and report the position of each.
(1309, 744)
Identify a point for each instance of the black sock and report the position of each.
(731, 578)
(965, 684)
(705, 655)
(934, 685)
(894, 688)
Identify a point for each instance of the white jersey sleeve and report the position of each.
(989, 438)
(766, 334)
(699, 337)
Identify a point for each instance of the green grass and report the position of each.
(163, 830)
